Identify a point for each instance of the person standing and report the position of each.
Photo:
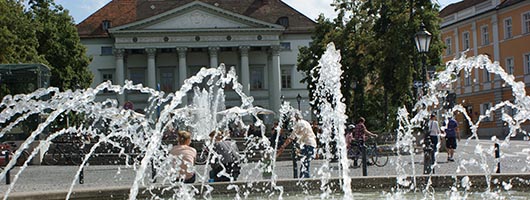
(303, 132)
(434, 134)
(185, 157)
(451, 133)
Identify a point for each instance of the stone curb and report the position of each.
(519, 182)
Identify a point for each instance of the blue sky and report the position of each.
(81, 9)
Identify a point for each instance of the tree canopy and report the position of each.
(379, 56)
(43, 32)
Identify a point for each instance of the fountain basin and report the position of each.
(292, 187)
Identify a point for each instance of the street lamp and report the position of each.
(423, 41)
(298, 99)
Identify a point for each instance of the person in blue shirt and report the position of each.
(451, 134)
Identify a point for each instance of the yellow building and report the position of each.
(499, 29)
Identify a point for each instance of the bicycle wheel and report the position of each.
(59, 155)
(202, 157)
(371, 155)
(75, 157)
(49, 157)
(72, 154)
(382, 158)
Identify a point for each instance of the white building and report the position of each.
(166, 41)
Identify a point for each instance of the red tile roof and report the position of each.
(121, 12)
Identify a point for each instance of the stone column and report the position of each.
(151, 67)
(245, 72)
(477, 74)
(213, 56)
(459, 85)
(496, 50)
(182, 70)
(275, 86)
(120, 71)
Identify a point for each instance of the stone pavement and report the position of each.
(515, 160)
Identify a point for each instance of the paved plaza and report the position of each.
(59, 178)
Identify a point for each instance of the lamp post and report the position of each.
(298, 99)
(423, 41)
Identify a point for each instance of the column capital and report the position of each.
(494, 19)
(182, 51)
(244, 50)
(119, 52)
(213, 50)
(275, 50)
(150, 51)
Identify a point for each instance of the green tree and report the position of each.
(18, 43)
(59, 43)
(379, 57)
(351, 33)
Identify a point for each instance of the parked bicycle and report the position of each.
(71, 151)
(374, 154)
(11, 147)
(202, 156)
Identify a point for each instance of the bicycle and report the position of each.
(69, 152)
(203, 156)
(12, 147)
(373, 153)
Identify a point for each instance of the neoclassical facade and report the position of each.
(164, 42)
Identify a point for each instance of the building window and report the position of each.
(510, 110)
(467, 80)
(448, 49)
(487, 76)
(106, 51)
(137, 76)
(286, 77)
(507, 28)
(284, 21)
(107, 75)
(527, 63)
(465, 40)
(485, 35)
(257, 78)
(509, 65)
(484, 108)
(285, 46)
(526, 23)
(166, 80)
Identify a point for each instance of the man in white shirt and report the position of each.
(303, 132)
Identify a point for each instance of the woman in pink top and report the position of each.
(185, 157)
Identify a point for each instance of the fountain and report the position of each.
(152, 175)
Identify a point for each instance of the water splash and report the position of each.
(433, 100)
(143, 132)
(332, 116)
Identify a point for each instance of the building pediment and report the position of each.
(196, 16)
